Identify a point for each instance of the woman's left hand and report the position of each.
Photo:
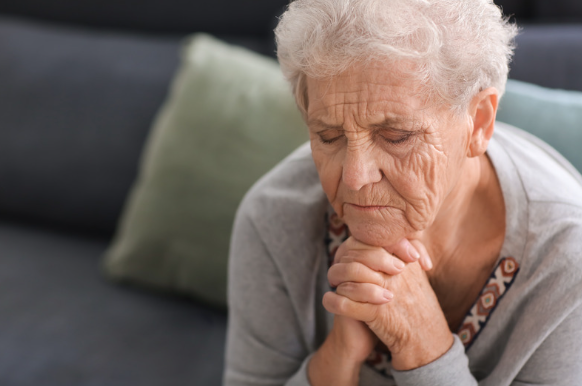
(412, 324)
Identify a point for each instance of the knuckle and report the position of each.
(342, 305)
(354, 269)
(339, 253)
(329, 302)
(345, 288)
(350, 257)
(331, 274)
(326, 300)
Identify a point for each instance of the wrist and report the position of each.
(331, 365)
(421, 353)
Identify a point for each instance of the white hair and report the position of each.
(457, 47)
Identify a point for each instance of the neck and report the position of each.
(469, 230)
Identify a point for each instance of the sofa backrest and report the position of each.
(75, 109)
(550, 56)
(543, 11)
(218, 17)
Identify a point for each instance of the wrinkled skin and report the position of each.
(406, 165)
(404, 321)
(393, 165)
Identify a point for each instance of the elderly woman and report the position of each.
(416, 242)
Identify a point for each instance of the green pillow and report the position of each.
(552, 115)
(230, 117)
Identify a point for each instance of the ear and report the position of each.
(483, 110)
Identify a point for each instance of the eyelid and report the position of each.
(400, 139)
(331, 140)
(334, 133)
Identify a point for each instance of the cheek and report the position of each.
(419, 173)
(421, 179)
(329, 168)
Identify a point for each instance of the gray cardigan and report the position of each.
(525, 329)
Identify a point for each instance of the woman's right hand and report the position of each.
(350, 341)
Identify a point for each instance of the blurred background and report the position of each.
(81, 82)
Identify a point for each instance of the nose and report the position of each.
(360, 168)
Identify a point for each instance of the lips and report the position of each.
(367, 208)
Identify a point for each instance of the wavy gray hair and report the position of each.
(457, 47)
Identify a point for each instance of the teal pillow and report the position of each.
(553, 115)
(230, 117)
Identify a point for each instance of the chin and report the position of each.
(383, 231)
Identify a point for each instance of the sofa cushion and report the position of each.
(76, 107)
(229, 119)
(550, 56)
(246, 17)
(552, 115)
(518, 9)
(527, 11)
(554, 11)
(63, 325)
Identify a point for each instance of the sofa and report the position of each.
(81, 83)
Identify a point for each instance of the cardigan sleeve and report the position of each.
(264, 341)
(452, 368)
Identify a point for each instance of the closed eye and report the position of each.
(330, 135)
(331, 140)
(396, 139)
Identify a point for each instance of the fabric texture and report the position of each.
(76, 107)
(560, 11)
(61, 324)
(278, 265)
(229, 119)
(241, 17)
(549, 55)
(555, 116)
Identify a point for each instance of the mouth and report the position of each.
(367, 208)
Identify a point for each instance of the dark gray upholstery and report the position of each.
(246, 17)
(550, 56)
(62, 324)
(558, 11)
(520, 9)
(75, 108)
(542, 11)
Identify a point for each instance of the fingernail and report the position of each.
(388, 295)
(427, 261)
(399, 264)
(413, 253)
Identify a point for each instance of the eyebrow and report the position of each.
(387, 124)
(321, 124)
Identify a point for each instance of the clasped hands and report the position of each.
(386, 296)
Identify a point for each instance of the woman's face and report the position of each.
(386, 158)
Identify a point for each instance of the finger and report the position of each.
(376, 259)
(354, 272)
(425, 260)
(341, 305)
(349, 244)
(352, 244)
(405, 251)
(364, 293)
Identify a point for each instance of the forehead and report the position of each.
(365, 92)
